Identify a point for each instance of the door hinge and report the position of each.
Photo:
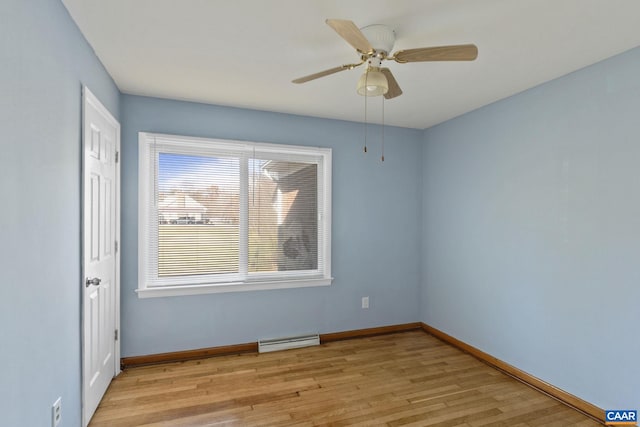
(117, 156)
(116, 245)
(116, 335)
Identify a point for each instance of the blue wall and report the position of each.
(45, 60)
(531, 231)
(376, 212)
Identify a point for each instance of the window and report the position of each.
(221, 216)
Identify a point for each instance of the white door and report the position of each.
(100, 287)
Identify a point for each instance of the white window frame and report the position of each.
(149, 285)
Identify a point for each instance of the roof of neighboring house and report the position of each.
(277, 169)
(180, 202)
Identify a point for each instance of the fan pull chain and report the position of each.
(366, 77)
(382, 143)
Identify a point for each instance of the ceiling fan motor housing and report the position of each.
(381, 37)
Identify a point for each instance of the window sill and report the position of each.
(172, 291)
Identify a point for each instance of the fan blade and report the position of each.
(321, 74)
(352, 34)
(394, 88)
(327, 72)
(463, 52)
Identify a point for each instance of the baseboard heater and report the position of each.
(265, 346)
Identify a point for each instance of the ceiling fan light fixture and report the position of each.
(372, 83)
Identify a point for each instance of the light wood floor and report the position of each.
(408, 378)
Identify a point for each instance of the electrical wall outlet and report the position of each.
(365, 302)
(56, 412)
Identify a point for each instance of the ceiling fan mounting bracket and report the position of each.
(375, 58)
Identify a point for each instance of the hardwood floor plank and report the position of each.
(401, 379)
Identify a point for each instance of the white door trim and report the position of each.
(89, 97)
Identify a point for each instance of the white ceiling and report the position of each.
(244, 53)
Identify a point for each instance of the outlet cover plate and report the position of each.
(56, 412)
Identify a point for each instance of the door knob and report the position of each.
(95, 281)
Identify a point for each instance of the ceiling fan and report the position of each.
(374, 43)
